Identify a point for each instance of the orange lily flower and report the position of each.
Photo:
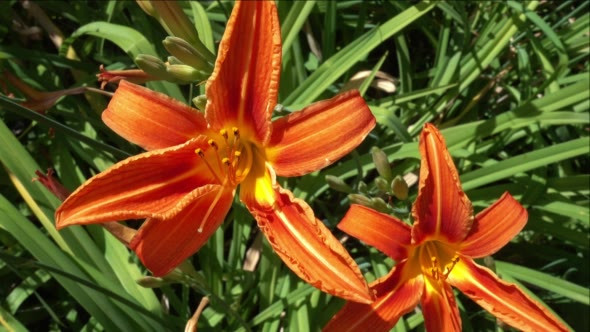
(438, 252)
(184, 185)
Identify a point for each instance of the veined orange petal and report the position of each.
(162, 244)
(442, 211)
(494, 227)
(396, 294)
(315, 137)
(439, 307)
(503, 300)
(303, 242)
(384, 232)
(146, 185)
(242, 91)
(151, 119)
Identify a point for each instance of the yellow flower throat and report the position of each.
(436, 259)
(230, 158)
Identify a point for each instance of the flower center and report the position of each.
(230, 158)
(437, 259)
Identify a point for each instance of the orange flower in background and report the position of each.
(438, 252)
(185, 184)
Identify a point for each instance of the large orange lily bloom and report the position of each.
(184, 185)
(438, 252)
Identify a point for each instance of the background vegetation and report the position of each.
(507, 82)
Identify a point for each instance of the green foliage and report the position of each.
(507, 82)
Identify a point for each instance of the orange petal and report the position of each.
(304, 243)
(494, 227)
(151, 119)
(147, 185)
(379, 230)
(162, 244)
(442, 211)
(396, 295)
(315, 137)
(242, 91)
(439, 307)
(503, 300)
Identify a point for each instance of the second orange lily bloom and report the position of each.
(438, 252)
(184, 185)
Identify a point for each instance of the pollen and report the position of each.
(213, 144)
(223, 133)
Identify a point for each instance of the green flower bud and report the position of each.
(379, 204)
(151, 282)
(338, 184)
(172, 60)
(186, 53)
(153, 66)
(200, 102)
(360, 199)
(186, 73)
(362, 188)
(399, 187)
(381, 163)
(147, 7)
(382, 184)
(176, 23)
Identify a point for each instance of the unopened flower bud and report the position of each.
(186, 53)
(186, 73)
(175, 21)
(147, 7)
(136, 76)
(151, 282)
(172, 60)
(399, 187)
(381, 163)
(200, 102)
(360, 199)
(379, 204)
(153, 66)
(382, 184)
(362, 188)
(338, 184)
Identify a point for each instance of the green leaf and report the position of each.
(129, 40)
(546, 281)
(338, 64)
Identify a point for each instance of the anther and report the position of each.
(236, 132)
(223, 133)
(237, 154)
(448, 270)
(200, 152)
(213, 144)
(435, 269)
(225, 161)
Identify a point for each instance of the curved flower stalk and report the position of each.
(438, 252)
(184, 185)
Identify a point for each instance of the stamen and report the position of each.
(202, 155)
(236, 159)
(223, 133)
(213, 144)
(435, 268)
(236, 132)
(448, 269)
(226, 161)
(211, 207)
